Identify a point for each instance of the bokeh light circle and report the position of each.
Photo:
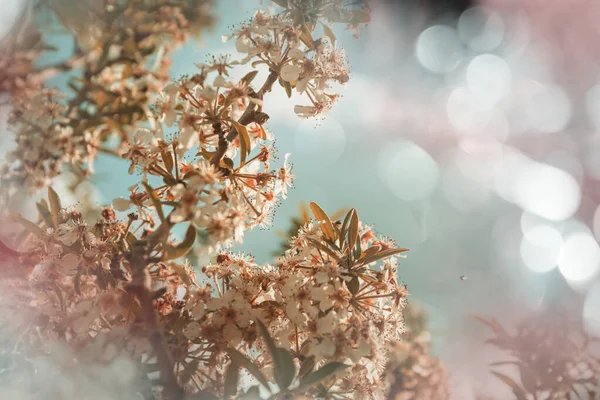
(481, 29)
(580, 257)
(408, 171)
(541, 248)
(438, 49)
(547, 191)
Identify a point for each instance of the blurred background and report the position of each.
(469, 133)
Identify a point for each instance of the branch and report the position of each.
(249, 115)
(140, 286)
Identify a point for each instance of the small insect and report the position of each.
(463, 278)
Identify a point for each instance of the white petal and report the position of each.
(171, 90)
(143, 136)
(242, 44)
(220, 81)
(290, 72)
(121, 204)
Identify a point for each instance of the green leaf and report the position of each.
(353, 285)
(182, 248)
(345, 226)
(329, 33)
(281, 365)
(288, 88)
(155, 201)
(245, 142)
(232, 376)
(267, 338)
(324, 248)
(45, 215)
(249, 77)
(306, 36)
(517, 389)
(353, 229)
(307, 366)
(321, 374)
(321, 216)
(167, 158)
(256, 63)
(382, 254)
(179, 270)
(227, 163)
(30, 226)
(492, 323)
(286, 371)
(249, 365)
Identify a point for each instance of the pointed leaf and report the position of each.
(249, 77)
(55, 205)
(182, 248)
(517, 389)
(321, 216)
(324, 248)
(492, 323)
(243, 132)
(353, 229)
(249, 365)
(167, 158)
(45, 215)
(345, 226)
(307, 366)
(353, 285)
(232, 376)
(279, 359)
(179, 270)
(30, 226)
(155, 201)
(329, 32)
(288, 88)
(326, 371)
(286, 371)
(383, 254)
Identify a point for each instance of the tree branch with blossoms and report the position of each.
(318, 323)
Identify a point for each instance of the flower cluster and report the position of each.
(120, 60)
(554, 356)
(332, 298)
(318, 322)
(306, 65)
(412, 372)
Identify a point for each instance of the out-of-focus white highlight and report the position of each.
(323, 140)
(438, 49)
(481, 29)
(580, 257)
(8, 17)
(548, 109)
(465, 113)
(397, 167)
(547, 191)
(541, 248)
(488, 78)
